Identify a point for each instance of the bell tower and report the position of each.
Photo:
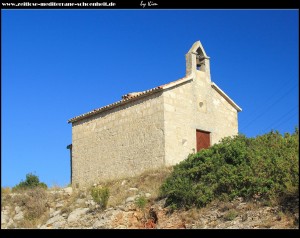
(197, 60)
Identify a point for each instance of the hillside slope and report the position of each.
(62, 208)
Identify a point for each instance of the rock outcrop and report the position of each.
(67, 209)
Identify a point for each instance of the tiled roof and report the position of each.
(124, 100)
(135, 95)
(130, 97)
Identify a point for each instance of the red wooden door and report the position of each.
(203, 139)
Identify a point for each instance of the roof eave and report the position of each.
(226, 97)
(114, 105)
(138, 96)
(178, 82)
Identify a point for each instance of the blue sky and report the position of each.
(57, 64)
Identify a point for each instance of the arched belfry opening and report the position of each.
(197, 59)
(200, 60)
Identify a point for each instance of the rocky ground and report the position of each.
(134, 203)
(63, 208)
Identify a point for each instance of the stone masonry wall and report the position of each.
(151, 132)
(191, 106)
(213, 113)
(178, 115)
(121, 142)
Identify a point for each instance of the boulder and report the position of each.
(11, 223)
(133, 189)
(59, 204)
(59, 224)
(90, 203)
(51, 211)
(17, 209)
(76, 214)
(123, 182)
(55, 213)
(68, 190)
(19, 216)
(4, 218)
(80, 201)
(147, 195)
(100, 223)
(130, 199)
(5, 211)
(54, 219)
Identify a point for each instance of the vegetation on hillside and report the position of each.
(31, 181)
(100, 196)
(264, 168)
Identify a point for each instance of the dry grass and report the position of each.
(5, 196)
(190, 216)
(148, 182)
(66, 209)
(250, 206)
(265, 224)
(56, 187)
(225, 207)
(34, 204)
(19, 199)
(213, 224)
(69, 202)
(287, 220)
(33, 223)
(5, 191)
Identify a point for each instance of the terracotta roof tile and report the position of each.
(125, 98)
(129, 97)
(134, 95)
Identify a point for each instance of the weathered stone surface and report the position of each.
(56, 192)
(76, 214)
(68, 190)
(59, 224)
(133, 189)
(90, 203)
(130, 199)
(55, 213)
(51, 211)
(5, 211)
(19, 216)
(11, 223)
(55, 219)
(17, 209)
(129, 216)
(99, 224)
(123, 182)
(4, 218)
(103, 221)
(147, 195)
(80, 201)
(59, 204)
(121, 227)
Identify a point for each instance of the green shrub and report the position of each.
(141, 202)
(100, 196)
(32, 181)
(230, 215)
(265, 167)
